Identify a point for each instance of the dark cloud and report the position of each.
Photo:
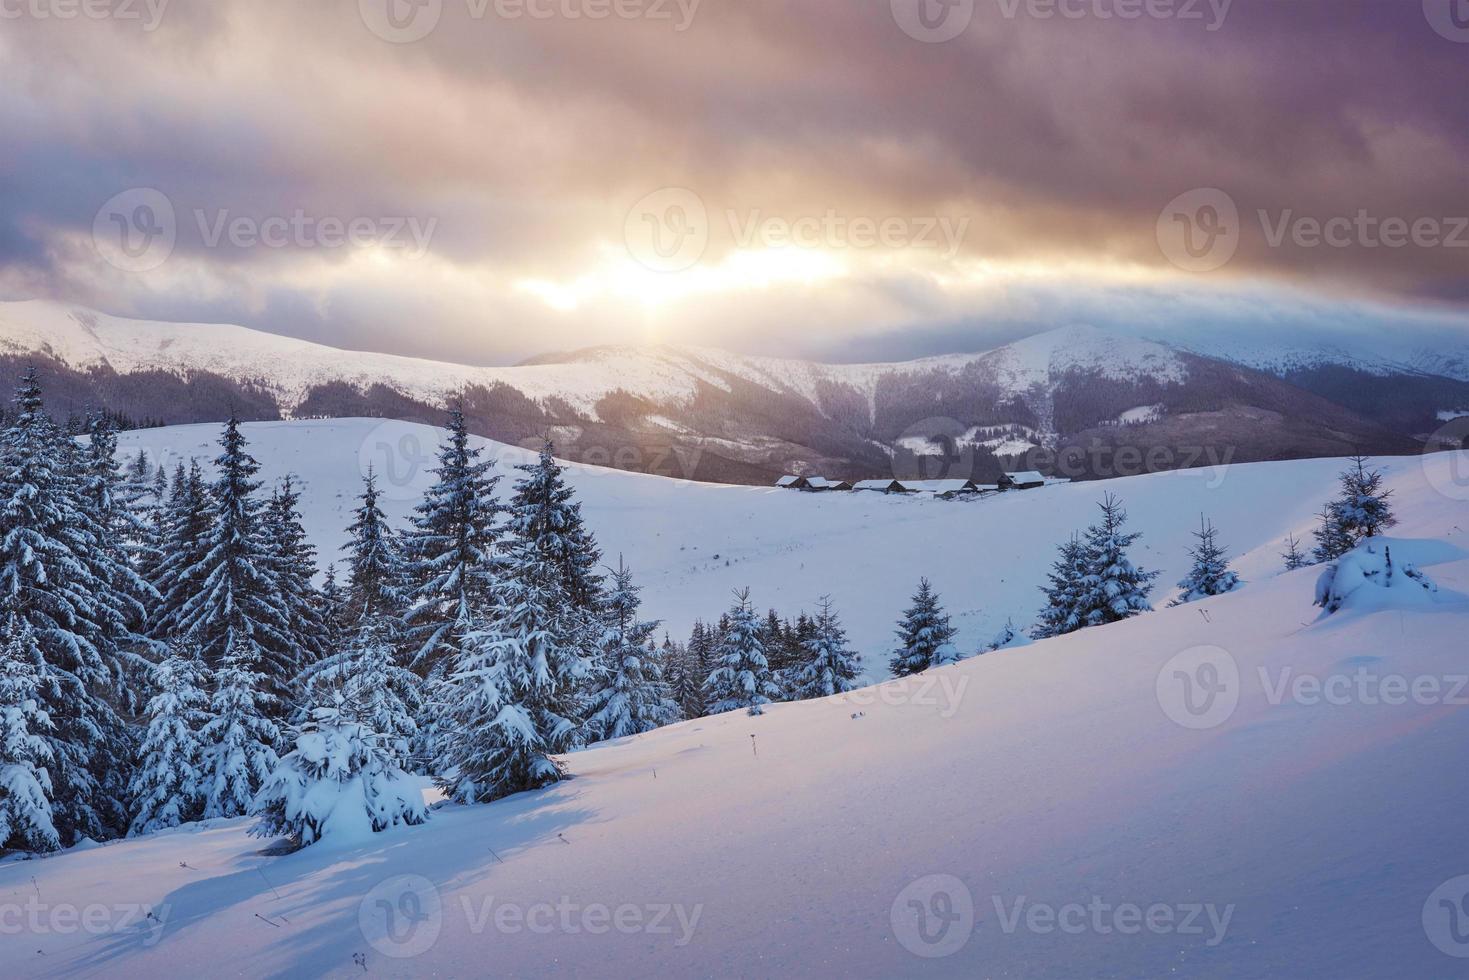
(526, 140)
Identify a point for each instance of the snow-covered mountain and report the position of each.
(291, 369)
(750, 418)
(1063, 808)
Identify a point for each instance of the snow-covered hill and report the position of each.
(290, 368)
(750, 419)
(1065, 809)
(693, 544)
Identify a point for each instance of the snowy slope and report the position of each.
(693, 544)
(1294, 838)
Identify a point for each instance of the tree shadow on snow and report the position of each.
(308, 901)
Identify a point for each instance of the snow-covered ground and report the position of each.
(691, 545)
(1236, 788)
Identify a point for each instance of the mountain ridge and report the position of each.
(749, 418)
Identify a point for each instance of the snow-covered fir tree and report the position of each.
(377, 571)
(183, 521)
(339, 782)
(119, 526)
(453, 551)
(925, 637)
(681, 682)
(1009, 636)
(692, 670)
(632, 698)
(543, 510)
(1061, 614)
(1363, 510)
(828, 667)
(1210, 574)
(239, 738)
(1113, 588)
(57, 578)
(1332, 539)
(151, 505)
(292, 561)
(511, 701)
(27, 822)
(231, 602)
(166, 786)
(1293, 556)
(741, 675)
(368, 676)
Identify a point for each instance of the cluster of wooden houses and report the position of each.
(943, 489)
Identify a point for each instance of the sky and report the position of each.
(489, 180)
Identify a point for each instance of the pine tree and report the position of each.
(239, 737)
(680, 681)
(1210, 574)
(369, 677)
(120, 526)
(741, 675)
(338, 781)
(1113, 589)
(511, 700)
(829, 668)
(453, 551)
(231, 601)
(332, 609)
(633, 698)
(292, 560)
(1061, 614)
(26, 818)
(925, 638)
(377, 574)
(1363, 510)
(1332, 539)
(166, 787)
(542, 510)
(183, 527)
(695, 663)
(57, 578)
(1294, 557)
